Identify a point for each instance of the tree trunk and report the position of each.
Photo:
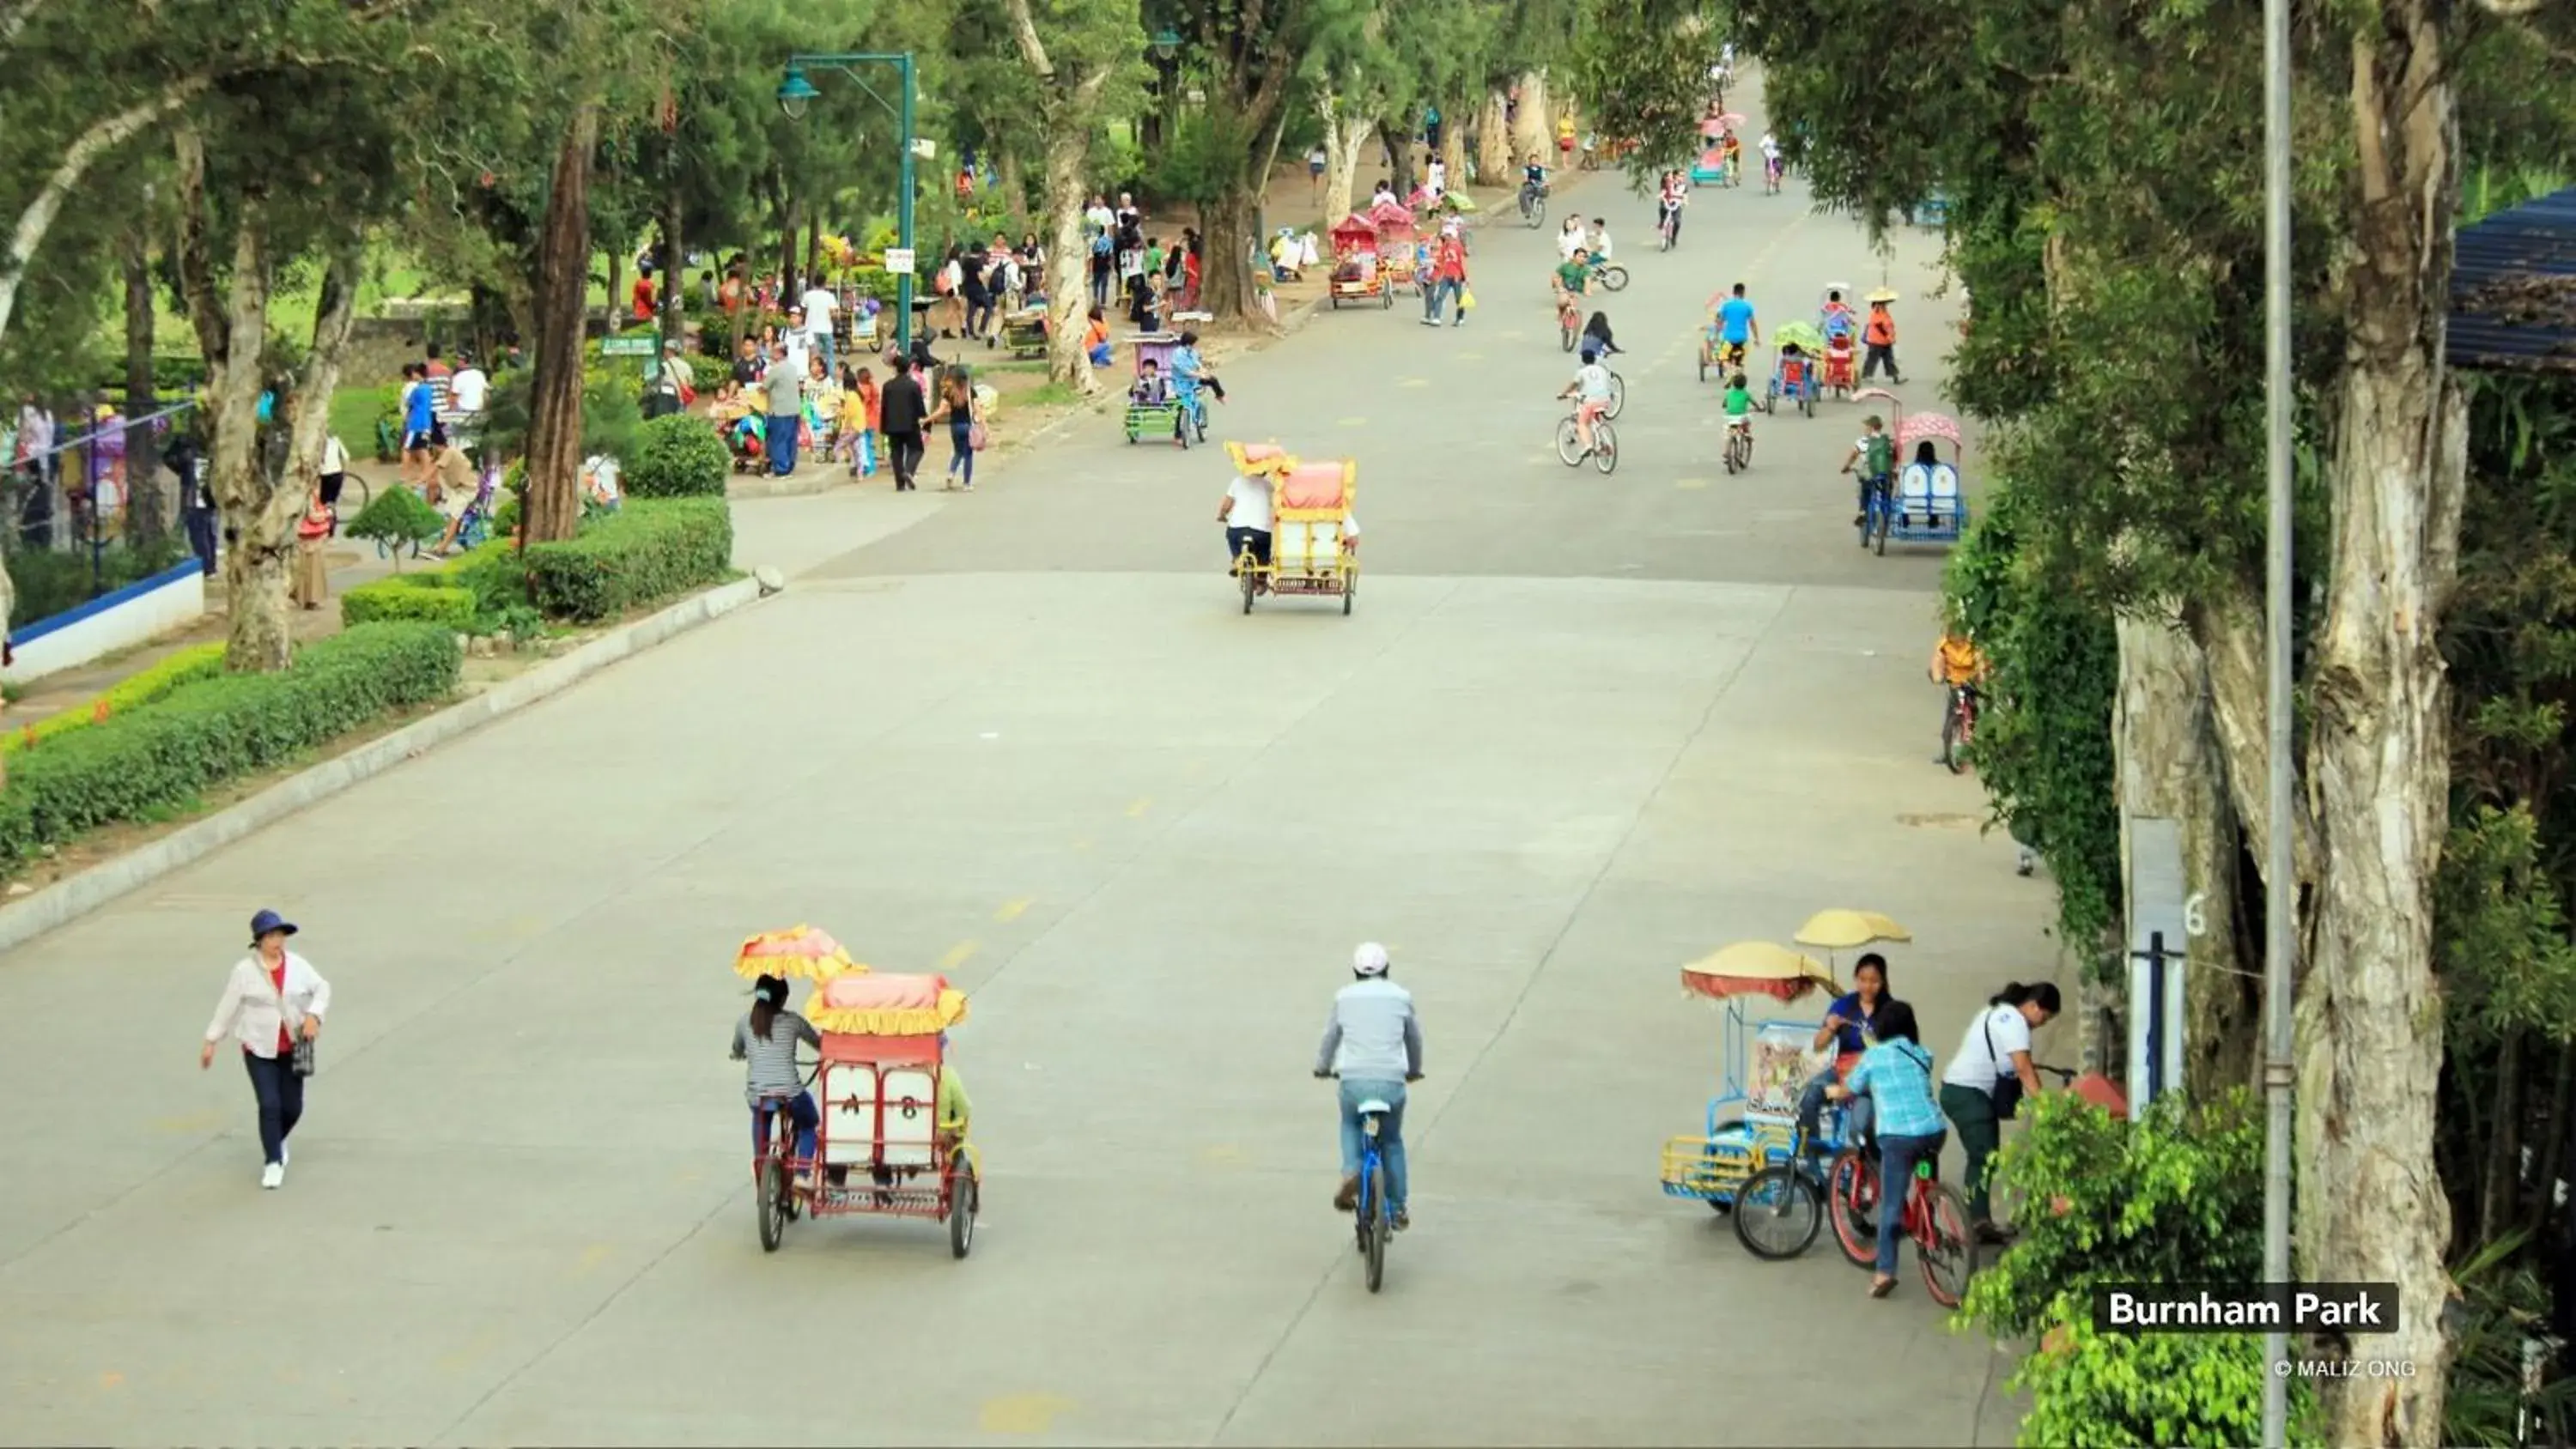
(1068, 260)
(786, 247)
(813, 248)
(1530, 133)
(2371, 1205)
(144, 522)
(255, 568)
(553, 507)
(1453, 154)
(1345, 136)
(1226, 292)
(1493, 143)
(2170, 766)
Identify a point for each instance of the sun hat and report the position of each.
(267, 921)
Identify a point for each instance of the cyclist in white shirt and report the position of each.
(1591, 391)
(1600, 243)
(468, 387)
(1770, 157)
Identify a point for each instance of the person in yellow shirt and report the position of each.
(1959, 666)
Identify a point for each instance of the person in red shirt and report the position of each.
(643, 296)
(272, 999)
(1448, 281)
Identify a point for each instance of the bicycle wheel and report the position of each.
(1380, 1225)
(1569, 444)
(1807, 401)
(1605, 446)
(1250, 580)
(1733, 438)
(1618, 395)
(1851, 1199)
(1886, 517)
(772, 1201)
(1952, 751)
(1564, 335)
(1615, 278)
(1536, 212)
(355, 494)
(1945, 1247)
(1778, 1213)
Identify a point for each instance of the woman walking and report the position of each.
(273, 1004)
(957, 409)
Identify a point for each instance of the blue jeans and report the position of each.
(281, 1100)
(1811, 1106)
(1896, 1159)
(961, 436)
(801, 1111)
(781, 440)
(1441, 294)
(1390, 1142)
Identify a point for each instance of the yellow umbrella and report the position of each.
(1848, 930)
(1756, 968)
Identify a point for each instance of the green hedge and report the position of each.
(188, 666)
(162, 757)
(678, 456)
(645, 552)
(396, 517)
(429, 598)
(55, 581)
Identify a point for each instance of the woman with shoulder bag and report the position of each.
(966, 433)
(1988, 1076)
(273, 1004)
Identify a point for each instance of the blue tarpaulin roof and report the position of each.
(2513, 289)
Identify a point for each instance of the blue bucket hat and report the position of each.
(267, 921)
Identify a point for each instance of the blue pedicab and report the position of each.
(1744, 1161)
(1164, 406)
(1797, 378)
(1924, 502)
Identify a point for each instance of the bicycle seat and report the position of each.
(1374, 1107)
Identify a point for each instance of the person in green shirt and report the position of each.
(1154, 257)
(1574, 274)
(1739, 405)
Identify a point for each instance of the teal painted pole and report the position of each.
(903, 216)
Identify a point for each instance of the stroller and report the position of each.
(748, 438)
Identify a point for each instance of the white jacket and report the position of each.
(250, 1009)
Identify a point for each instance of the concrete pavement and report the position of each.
(1578, 730)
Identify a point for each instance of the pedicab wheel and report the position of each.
(1386, 296)
(1350, 590)
(1615, 278)
(1882, 526)
(1569, 444)
(1778, 1213)
(1618, 395)
(773, 1204)
(1605, 447)
(1337, 301)
(1250, 584)
(1378, 1228)
(965, 1195)
(1851, 1201)
(1948, 1251)
(1806, 402)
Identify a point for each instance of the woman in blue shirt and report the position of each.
(1850, 1028)
(1896, 1075)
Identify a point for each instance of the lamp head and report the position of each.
(1166, 44)
(795, 92)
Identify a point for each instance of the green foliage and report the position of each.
(1642, 66)
(429, 598)
(396, 516)
(159, 758)
(187, 666)
(2044, 746)
(678, 456)
(612, 416)
(2503, 1305)
(50, 581)
(2093, 1390)
(648, 551)
(494, 573)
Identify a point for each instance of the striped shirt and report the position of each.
(773, 1058)
(1898, 1076)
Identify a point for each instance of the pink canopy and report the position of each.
(1317, 485)
(1915, 427)
(1390, 213)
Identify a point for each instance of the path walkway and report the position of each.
(1579, 730)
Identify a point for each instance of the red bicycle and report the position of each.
(1959, 727)
(1935, 1219)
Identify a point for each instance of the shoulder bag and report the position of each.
(2007, 1089)
(300, 1059)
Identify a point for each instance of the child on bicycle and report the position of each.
(1958, 666)
(1591, 391)
(1739, 406)
(1897, 1076)
(1874, 455)
(1596, 342)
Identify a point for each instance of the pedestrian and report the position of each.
(783, 387)
(859, 420)
(273, 1004)
(1987, 1078)
(900, 411)
(334, 476)
(965, 435)
(820, 303)
(420, 425)
(312, 582)
(196, 502)
(1315, 160)
(1448, 280)
(1102, 264)
(974, 286)
(1878, 336)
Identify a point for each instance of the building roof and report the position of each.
(2513, 289)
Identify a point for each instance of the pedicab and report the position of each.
(1795, 377)
(892, 1136)
(1311, 530)
(1357, 274)
(1162, 406)
(1925, 505)
(1752, 1124)
(1841, 326)
(1025, 332)
(1398, 239)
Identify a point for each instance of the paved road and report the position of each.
(1579, 730)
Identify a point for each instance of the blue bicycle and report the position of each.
(1374, 1220)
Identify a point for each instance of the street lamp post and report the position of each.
(796, 91)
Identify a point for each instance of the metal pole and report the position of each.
(2279, 893)
(903, 216)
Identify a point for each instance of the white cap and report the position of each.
(1369, 959)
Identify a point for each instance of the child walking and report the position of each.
(859, 422)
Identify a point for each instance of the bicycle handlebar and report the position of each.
(1331, 1076)
(2065, 1075)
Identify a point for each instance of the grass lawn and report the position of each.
(389, 275)
(353, 416)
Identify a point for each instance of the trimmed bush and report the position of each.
(140, 688)
(396, 517)
(648, 551)
(678, 457)
(492, 572)
(163, 756)
(430, 598)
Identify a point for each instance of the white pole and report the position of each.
(2279, 894)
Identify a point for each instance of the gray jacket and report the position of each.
(1373, 1034)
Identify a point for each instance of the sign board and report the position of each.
(926, 149)
(629, 346)
(2159, 924)
(898, 260)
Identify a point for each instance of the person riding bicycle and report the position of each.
(1373, 1042)
(1672, 194)
(765, 1040)
(1533, 183)
(1572, 279)
(1770, 158)
(1851, 1029)
(1739, 406)
(1591, 391)
(1874, 455)
(1737, 328)
(1596, 342)
(1600, 243)
(1896, 1075)
(1958, 666)
(1730, 154)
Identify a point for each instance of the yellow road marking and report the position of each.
(1415, 382)
(1471, 357)
(1350, 422)
(481, 1344)
(1082, 842)
(1223, 1152)
(1022, 1413)
(193, 1122)
(110, 1379)
(1137, 810)
(1011, 910)
(958, 954)
(1690, 482)
(593, 1256)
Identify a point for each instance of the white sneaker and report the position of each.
(273, 1174)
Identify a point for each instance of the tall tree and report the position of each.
(1083, 53)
